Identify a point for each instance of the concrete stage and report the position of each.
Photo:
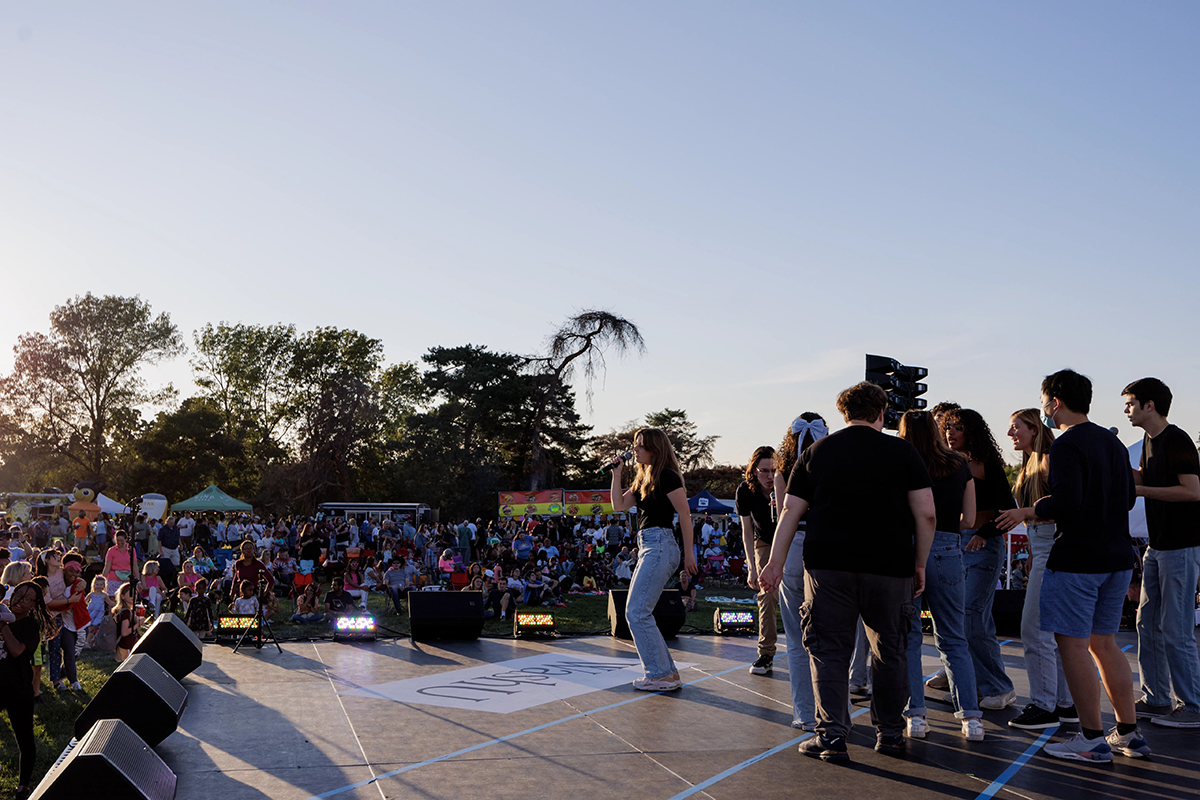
(261, 724)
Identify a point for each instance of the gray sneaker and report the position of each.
(1145, 710)
(1181, 717)
(999, 701)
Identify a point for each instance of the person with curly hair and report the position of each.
(967, 433)
(31, 624)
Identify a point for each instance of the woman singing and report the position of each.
(657, 490)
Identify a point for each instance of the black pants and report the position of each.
(19, 704)
(494, 597)
(833, 603)
(68, 640)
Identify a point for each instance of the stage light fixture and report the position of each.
(232, 625)
(528, 623)
(360, 627)
(728, 621)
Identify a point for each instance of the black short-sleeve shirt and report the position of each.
(655, 509)
(16, 672)
(948, 497)
(856, 482)
(1173, 526)
(752, 503)
(339, 602)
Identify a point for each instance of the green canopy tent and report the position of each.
(212, 499)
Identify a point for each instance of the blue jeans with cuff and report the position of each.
(658, 561)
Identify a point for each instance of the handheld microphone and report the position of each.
(621, 459)
(774, 510)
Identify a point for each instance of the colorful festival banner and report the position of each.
(584, 502)
(543, 504)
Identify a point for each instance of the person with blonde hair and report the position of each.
(658, 492)
(1049, 698)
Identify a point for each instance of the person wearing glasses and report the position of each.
(755, 502)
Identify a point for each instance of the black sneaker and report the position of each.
(832, 750)
(1067, 713)
(890, 745)
(763, 665)
(1035, 718)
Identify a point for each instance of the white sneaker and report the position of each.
(917, 727)
(972, 728)
(77, 686)
(940, 680)
(665, 685)
(999, 701)
(1078, 748)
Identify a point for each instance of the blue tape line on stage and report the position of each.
(1126, 648)
(509, 737)
(1006, 641)
(1013, 768)
(720, 776)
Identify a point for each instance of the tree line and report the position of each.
(287, 419)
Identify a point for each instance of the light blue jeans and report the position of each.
(791, 596)
(1165, 625)
(982, 572)
(1047, 683)
(945, 593)
(658, 561)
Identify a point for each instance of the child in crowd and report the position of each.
(308, 606)
(152, 589)
(199, 614)
(126, 619)
(97, 606)
(245, 602)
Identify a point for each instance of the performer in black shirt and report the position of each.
(1169, 479)
(1089, 569)
(755, 502)
(657, 491)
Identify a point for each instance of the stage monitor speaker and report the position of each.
(1007, 606)
(173, 645)
(141, 694)
(445, 615)
(109, 761)
(669, 614)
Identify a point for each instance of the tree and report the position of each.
(694, 451)
(246, 371)
(580, 342)
(72, 388)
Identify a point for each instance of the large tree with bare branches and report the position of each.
(579, 344)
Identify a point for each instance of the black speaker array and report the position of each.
(109, 761)
(669, 614)
(445, 615)
(173, 645)
(138, 707)
(141, 694)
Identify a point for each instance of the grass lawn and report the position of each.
(54, 718)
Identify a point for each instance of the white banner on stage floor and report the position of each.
(509, 686)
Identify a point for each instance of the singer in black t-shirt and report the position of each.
(657, 491)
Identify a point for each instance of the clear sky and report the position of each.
(990, 190)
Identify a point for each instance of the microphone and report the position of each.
(621, 459)
(774, 510)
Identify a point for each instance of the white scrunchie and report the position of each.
(817, 428)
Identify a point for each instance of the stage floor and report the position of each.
(339, 720)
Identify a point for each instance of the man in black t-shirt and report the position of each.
(1087, 575)
(338, 601)
(1169, 479)
(870, 515)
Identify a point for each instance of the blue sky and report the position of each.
(990, 190)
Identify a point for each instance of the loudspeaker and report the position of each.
(1007, 607)
(172, 645)
(669, 615)
(141, 694)
(445, 615)
(109, 761)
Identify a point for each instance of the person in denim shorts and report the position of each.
(1089, 569)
